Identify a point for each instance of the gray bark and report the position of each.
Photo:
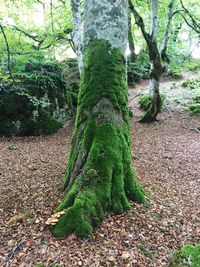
(133, 55)
(77, 34)
(167, 29)
(115, 31)
(154, 19)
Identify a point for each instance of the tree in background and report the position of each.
(157, 57)
(157, 49)
(100, 178)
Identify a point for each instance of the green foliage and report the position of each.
(38, 103)
(192, 84)
(192, 65)
(13, 147)
(145, 101)
(139, 69)
(175, 72)
(186, 256)
(195, 106)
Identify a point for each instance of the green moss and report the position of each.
(192, 65)
(40, 88)
(186, 256)
(194, 109)
(145, 101)
(192, 84)
(99, 177)
(151, 109)
(175, 72)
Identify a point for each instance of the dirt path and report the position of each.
(166, 155)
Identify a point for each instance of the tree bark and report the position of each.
(77, 35)
(99, 177)
(8, 53)
(164, 45)
(154, 55)
(133, 55)
(156, 67)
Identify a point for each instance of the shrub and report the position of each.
(139, 69)
(191, 84)
(39, 102)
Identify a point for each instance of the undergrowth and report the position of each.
(186, 256)
(145, 101)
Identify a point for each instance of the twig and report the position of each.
(16, 249)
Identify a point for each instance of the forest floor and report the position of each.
(166, 155)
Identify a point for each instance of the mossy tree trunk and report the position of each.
(100, 178)
(156, 72)
(156, 67)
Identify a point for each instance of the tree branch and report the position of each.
(195, 26)
(166, 34)
(140, 23)
(8, 52)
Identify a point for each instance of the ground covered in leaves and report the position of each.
(166, 155)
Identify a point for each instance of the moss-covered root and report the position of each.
(105, 184)
(99, 177)
(148, 117)
(152, 112)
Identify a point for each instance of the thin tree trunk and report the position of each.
(133, 55)
(155, 72)
(8, 53)
(164, 45)
(156, 66)
(100, 178)
(77, 35)
(154, 19)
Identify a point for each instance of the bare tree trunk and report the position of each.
(164, 45)
(99, 177)
(133, 55)
(77, 35)
(8, 53)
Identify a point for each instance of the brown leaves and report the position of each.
(18, 218)
(166, 157)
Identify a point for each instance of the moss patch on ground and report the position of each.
(186, 256)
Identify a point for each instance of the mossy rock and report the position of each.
(40, 101)
(186, 256)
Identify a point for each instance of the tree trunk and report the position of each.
(155, 73)
(77, 36)
(156, 68)
(163, 50)
(133, 55)
(100, 178)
